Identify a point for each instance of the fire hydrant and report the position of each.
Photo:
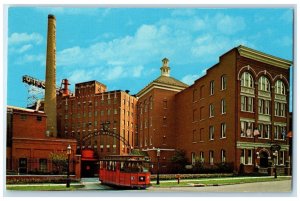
(178, 178)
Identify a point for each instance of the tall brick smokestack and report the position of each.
(50, 85)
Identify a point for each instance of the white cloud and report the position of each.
(20, 38)
(113, 73)
(137, 71)
(229, 25)
(21, 49)
(30, 58)
(190, 79)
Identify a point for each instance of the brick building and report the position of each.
(236, 111)
(84, 112)
(156, 115)
(28, 146)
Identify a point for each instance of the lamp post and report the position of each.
(158, 156)
(69, 150)
(275, 161)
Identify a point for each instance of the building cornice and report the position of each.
(263, 57)
(155, 85)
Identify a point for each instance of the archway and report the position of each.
(263, 161)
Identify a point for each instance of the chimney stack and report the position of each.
(50, 85)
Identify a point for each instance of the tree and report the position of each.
(60, 161)
(179, 161)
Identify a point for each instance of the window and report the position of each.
(223, 82)
(150, 102)
(194, 95)
(267, 107)
(201, 157)
(264, 130)
(223, 156)
(201, 113)
(242, 157)
(282, 109)
(201, 92)
(246, 129)
(223, 106)
(211, 132)
(211, 157)
(247, 80)
(223, 130)
(277, 107)
(263, 84)
(101, 112)
(43, 165)
(211, 110)
(66, 116)
(260, 106)
(201, 134)
(243, 103)
(279, 87)
(212, 87)
(150, 121)
(39, 118)
(115, 111)
(194, 115)
(250, 104)
(249, 157)
(194, 136)
(108, 112)
(193, 158)
(146, 123)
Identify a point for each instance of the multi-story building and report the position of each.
(83, 114)
(237, 111)
(156, 115)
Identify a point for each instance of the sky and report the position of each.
(123, 47)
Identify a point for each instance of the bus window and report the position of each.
(122, 166)
(146, 167)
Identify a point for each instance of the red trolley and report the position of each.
(125, 171)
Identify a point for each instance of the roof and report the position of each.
(263, 57)
(24, 109)
(170, 80)
(164, 82)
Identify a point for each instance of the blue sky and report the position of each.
(123, 47)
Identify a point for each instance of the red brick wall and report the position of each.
(25, 124)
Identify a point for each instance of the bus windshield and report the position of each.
(134, 166)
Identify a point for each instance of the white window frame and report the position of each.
(193, 158)
(223, 130)
(211, 157)
(247, 80)
(223, 156)
(211, 110)
(242, 157)
(223, 106)
(249, 159)
(223, 82)
(264, 84)
(211, 132)
(280, 87)
(212, 87)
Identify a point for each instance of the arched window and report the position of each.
(264, 84)
(279, 87)
(247, 80)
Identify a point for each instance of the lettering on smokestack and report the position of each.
(50, 86)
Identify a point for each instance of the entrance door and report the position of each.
(22, 165)
(263, 162)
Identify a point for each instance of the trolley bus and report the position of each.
(125, 171)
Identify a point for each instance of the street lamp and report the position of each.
(69, 150)
(275, 161)
(158, 156)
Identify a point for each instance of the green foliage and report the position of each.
(60, 162)
(179, 161)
